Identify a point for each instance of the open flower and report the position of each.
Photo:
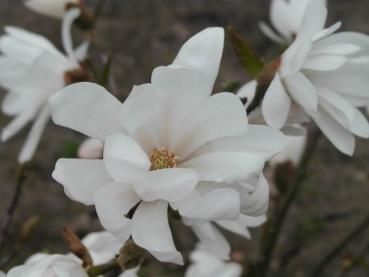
(153, 161)
(32, 70)
(56, 265)
(286, 17)
(53, 8)
(205, 264)
(326, 75)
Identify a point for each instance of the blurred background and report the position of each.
(143, 34)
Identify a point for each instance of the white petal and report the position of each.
(215, 205)
(150, 230)
(360, 125)
(17, 124)
(276, 104)
(314, 18)
(324, 62)
(34, 136)
(341, 138)
(295, 56)
(322, 47)
(171, 184)
(259, 140)
(269, 33)
(81, 178)
(91, 149)
(203, 52)
(124, 159)
(55, 8)
(225, 167)
(203, 121)
(247, 92)
(302, 91)
(81, 51)
(327, 32)
(140, 105)
(254, 202)
(212, 241)
(293, 152)
(70, 16)
(87, 108)
(112, 203)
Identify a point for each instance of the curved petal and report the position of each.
(259, 140)
(124, 159)
(34, 136)
(112, 202)
(221, 203)
(225, 167)
(324, 62)
(172, 184)
(360, 125)
(341, 138)
(17, 124)
(87, 108)
(276, 104)
(314, 18)
(212, 241)
(302, 91)
(81, 178)
(55, 8)
(203, 53)
(150, 230)
(203, 121)
(269, 33)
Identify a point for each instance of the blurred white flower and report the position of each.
(286, 17)
(40, 265)
(168, 135)
(32, 70)
(2, 274)
(91, 149)
(205, 264)
(53, 8)
(325, 74)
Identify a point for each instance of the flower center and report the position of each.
(162, 158)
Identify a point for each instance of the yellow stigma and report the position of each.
(162, 158)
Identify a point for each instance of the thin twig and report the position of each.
(9, 214)
(267, 251)
(341, 246)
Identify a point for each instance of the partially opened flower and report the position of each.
(153, 161)
(40, 265)
(32, 70)
(53, 8)
(205, 264)
(286, 17)
(326, 75)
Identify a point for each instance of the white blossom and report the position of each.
(205, 264)
(52, 8)
(286, 17)
(40, 265)
(167, 136)
(326, 75)
(31, 70)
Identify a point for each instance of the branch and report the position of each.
(21, 177)
(341, 246)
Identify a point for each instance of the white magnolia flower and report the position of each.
(286, 17)
(205, 264)
(157, 146)
(32, 70)
(325, 74)
(53, 8)
(40, 265)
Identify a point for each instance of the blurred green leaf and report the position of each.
(251, 62)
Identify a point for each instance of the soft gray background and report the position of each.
(143, 34)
